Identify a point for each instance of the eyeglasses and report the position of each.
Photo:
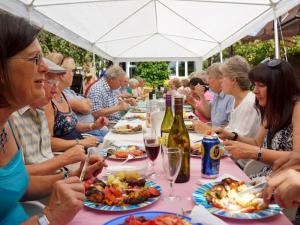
(272, 63)
(37, 59)
(52, 83)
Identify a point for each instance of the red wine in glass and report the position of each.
(152, 148)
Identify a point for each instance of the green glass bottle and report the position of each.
(179, 138)
(168, 118)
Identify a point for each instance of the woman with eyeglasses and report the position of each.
(22, 76)
(63, 123)
(277, 100)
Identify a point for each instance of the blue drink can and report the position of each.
(211, 154)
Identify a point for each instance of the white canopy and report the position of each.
(150, 30)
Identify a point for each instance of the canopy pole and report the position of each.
(94, 65)
(276, 39)
(221, 54)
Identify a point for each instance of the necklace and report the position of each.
(59, 99)
(3, 139)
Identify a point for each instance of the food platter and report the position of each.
(117, 208)
(199, 197)
(147, 214)
(121, 152)
(137, 110)
(135, 117)
(127, 129)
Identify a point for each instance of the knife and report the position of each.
(254, 189)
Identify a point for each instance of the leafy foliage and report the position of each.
(52, 43)
(153, 72)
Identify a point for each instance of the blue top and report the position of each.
(13, 184)
(221, 107)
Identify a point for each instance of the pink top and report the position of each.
(208, 96)
(185, 191)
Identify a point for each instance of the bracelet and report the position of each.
(259, 154)
(235, 136)
(91, 126)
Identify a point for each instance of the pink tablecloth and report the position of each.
(185, 190)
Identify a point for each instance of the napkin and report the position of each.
(201, 215)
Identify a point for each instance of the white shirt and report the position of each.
(244, 119)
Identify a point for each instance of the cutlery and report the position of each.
(85, 165)
(129, 157)
(254, 189)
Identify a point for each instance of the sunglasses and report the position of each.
(272, 63)
(36, 59)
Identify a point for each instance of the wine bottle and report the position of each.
(179, 138)
(168, 118)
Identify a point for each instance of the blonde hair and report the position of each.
(237, 68)
(114, 72)
(176, 82)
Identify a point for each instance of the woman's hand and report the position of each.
(190, 100)
(286, 187)
(95, 166)
(100, 122)
(199, 91)
(89, 142)
(223, 134)
(291, 161)
(239, 150)
(65, 201)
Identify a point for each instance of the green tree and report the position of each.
(153, 72)
(82, 57)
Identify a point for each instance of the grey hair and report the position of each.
(133, 81)
(237, 68)
(114, 72)
(214, 71)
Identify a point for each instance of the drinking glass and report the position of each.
(172, 158)
(152, 146)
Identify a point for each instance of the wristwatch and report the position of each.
(43, 220)
(235, 136)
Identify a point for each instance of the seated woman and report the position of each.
(63, 123)
(22, 76)
(277, 100)
(194, 98)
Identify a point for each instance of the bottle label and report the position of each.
(164, 138)
(215, 152)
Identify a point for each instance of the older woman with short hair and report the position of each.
(244, 118)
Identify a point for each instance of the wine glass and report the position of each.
(152, 146)
(172, 158)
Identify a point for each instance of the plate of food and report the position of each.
(121, 152)
(121, 193)
(152, 217)
(135, 117)
(222, 199)
(127, 129)
(137, 110)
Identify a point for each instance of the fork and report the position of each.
(129, 157)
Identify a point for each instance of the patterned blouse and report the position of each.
(283, 141)
(65, 123)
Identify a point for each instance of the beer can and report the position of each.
(211, 154)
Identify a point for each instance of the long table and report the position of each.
(185, 190)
